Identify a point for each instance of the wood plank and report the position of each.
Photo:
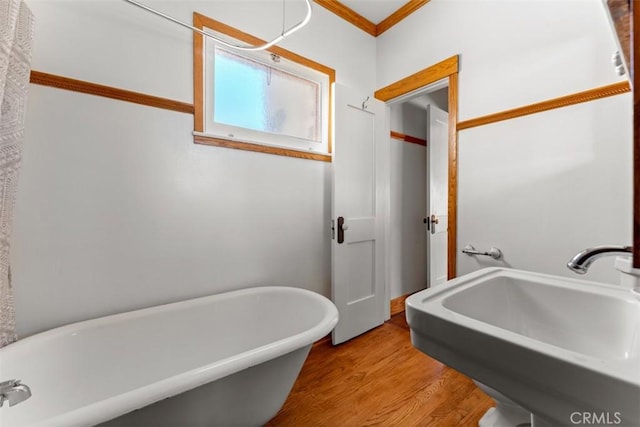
(397, 16)
(397, 304)
(635, 67)
(418, 80)
(466, 412)
(324, 340)
(81, 86)
(564, 101)
(349, 15)
(379, 378)
(408, 138)
(198, 75)
(452, 232)
(246, 146)
(620, 11)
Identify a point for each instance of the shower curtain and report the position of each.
(16, 33)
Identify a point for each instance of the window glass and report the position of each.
(271, 101)
(253, 95)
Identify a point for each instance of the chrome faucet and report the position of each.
(13, 392)
(581, 262)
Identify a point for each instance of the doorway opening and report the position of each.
(444, 73)
(419, 187)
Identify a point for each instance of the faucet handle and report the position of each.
(14, 392)
(6, 385)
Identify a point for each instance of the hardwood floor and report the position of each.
(380, 379)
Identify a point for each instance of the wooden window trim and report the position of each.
(258, 148)
(200, 21)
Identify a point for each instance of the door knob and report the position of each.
(341, 228)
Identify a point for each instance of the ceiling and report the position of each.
(372, 16)
(374, 10)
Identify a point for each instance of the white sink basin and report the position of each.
(554, 345)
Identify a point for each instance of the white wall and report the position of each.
(545, 186)
(118, 209)
(409, 119)
(439, 98)
(407, 260)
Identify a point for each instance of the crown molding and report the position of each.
(366, 25)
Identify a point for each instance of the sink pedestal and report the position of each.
(499, 417)
(507, 413)
(564, 349)
(539, 422)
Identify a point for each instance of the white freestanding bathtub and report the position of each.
(228, 359)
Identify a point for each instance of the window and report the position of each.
(270, 101)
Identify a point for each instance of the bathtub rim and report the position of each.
(114, 406)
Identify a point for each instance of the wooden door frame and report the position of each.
(625, 17)
(635, 81)
(447, 68)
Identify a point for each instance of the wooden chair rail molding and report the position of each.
(363, 23)
(564, 101)
(51, 80)
(408, 138)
